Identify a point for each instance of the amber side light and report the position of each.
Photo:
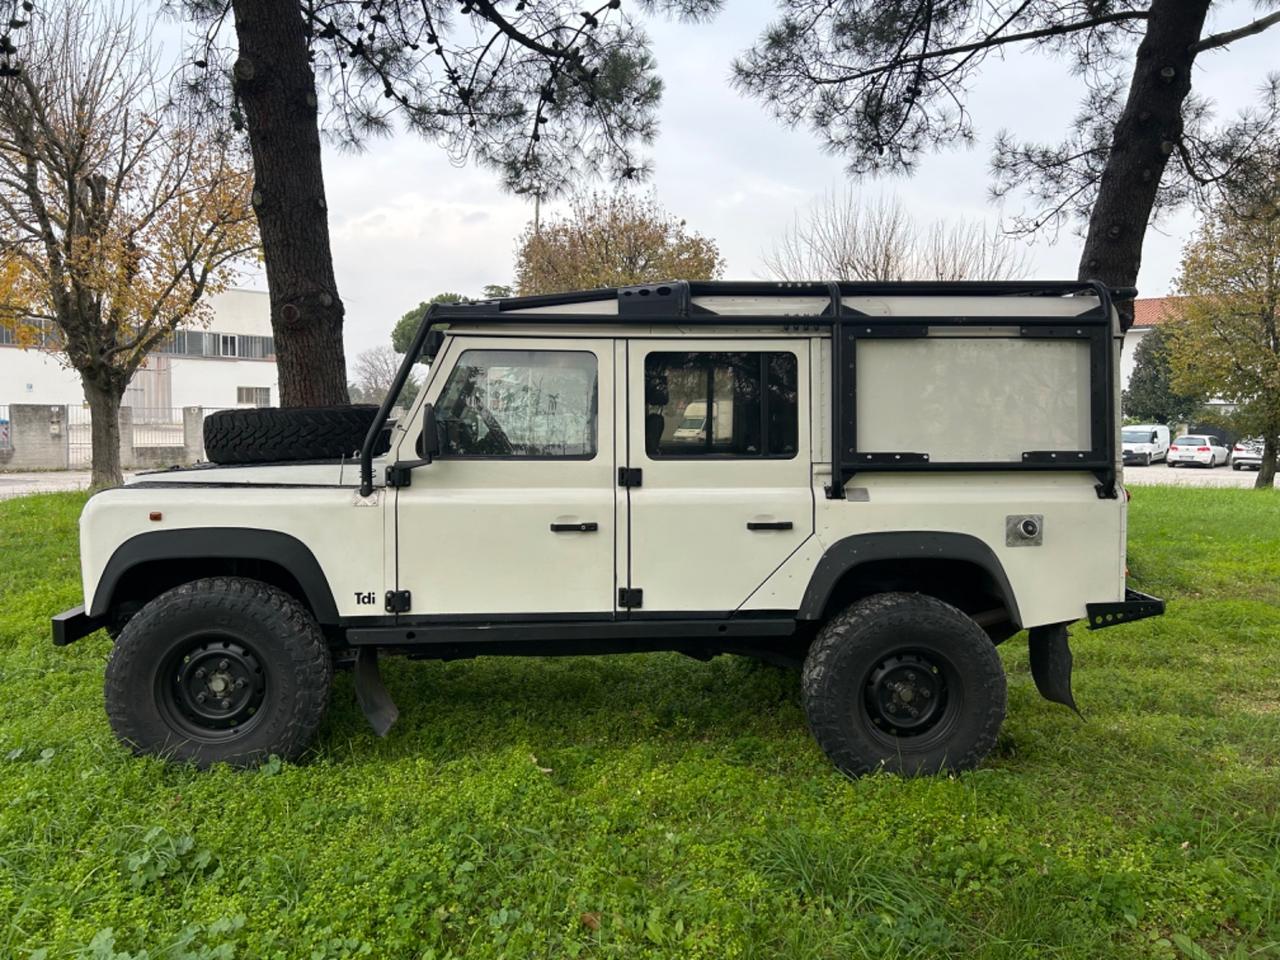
(157, 515)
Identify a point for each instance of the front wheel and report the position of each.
(222, 670)
(906, 683)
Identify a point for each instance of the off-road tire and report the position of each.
(282, 638)
(836, 686)
(275, 434)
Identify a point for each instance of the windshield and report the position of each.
(1135, 436)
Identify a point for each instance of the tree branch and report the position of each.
(1230, 36)
(992, 40)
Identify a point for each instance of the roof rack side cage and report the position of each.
(676, 299)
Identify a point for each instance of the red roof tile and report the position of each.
(1153, 311)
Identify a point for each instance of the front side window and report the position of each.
(730, 404)
(519, 403)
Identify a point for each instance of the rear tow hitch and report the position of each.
(379, 709)
(1051, 664)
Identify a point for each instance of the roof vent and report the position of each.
(654, 300)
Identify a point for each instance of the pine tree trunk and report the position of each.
(104, 409)
(277, 91)
(1267, 469)
(1145, 137)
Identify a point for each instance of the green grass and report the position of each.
(653, 806)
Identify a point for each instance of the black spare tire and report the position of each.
(273, 434)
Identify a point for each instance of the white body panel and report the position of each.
(475, 534)
(691, 549)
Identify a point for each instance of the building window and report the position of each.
(253, 396)
(736, 404)
(228, 346)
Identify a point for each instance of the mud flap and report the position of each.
(371, 694)
(1051, 664)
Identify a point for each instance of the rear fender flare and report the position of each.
(852, 552)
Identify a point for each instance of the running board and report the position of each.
(593, 636)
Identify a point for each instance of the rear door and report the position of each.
(722, 496)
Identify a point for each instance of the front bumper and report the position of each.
(1134, 606)
(1133, 456)
(71, 625)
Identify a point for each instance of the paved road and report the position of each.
(46, 481)
(1189, 476)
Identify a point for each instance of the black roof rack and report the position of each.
(675, 300)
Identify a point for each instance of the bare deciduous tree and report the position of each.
(844, 237)
(117, 220)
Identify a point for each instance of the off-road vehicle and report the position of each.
(880, 482)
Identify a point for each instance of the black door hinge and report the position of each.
(398, 601)
(630, 476)
(629, 598)
(398, 476)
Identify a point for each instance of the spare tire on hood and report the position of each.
(275, 434)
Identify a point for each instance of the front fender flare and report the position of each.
(222, 543)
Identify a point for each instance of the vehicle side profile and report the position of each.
(1145, 443)
(878, 483)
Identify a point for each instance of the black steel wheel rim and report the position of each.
(211, 687)
(911, 694)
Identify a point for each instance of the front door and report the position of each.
(724, 494)
(517, 513)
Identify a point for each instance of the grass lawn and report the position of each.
(653, 806)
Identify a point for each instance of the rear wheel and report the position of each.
(223, 670)
(903, 682)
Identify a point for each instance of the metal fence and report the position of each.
(151, 428)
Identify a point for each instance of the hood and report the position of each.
(311, 473)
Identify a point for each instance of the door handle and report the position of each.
(769, 525)
(589, 527)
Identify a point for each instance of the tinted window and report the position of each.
(1190, 442)
(738, 404)
(519, 403)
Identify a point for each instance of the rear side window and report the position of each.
(519, 403)
(730, 404)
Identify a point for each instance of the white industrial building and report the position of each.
(228, 363)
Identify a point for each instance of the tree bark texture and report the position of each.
(104, 411)
(1145, 136)
(1267, 469)
(277, 92)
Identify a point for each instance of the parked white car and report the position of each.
(1247, 453)
(1202, 449)
(1145, 443)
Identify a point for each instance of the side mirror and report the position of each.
(429, 439)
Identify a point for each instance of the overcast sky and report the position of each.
(406, 224)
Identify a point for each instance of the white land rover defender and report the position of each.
(878, 481)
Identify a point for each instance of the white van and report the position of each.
(1144, 443)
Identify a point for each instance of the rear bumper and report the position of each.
(1134, 606)
(71, 625)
